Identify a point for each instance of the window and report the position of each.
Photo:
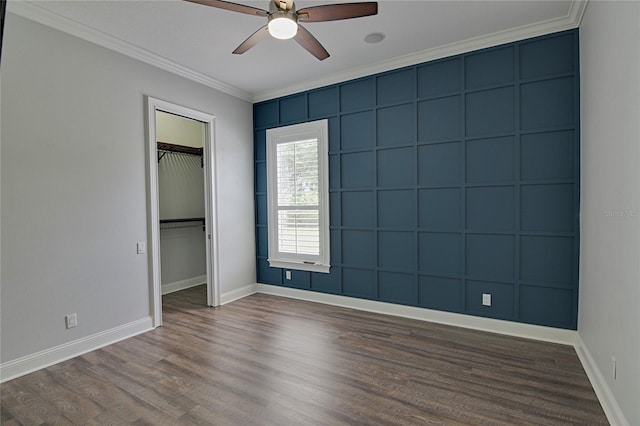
(298, 196)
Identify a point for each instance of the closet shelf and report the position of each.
(164, 148)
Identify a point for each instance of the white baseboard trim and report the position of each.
(183, 284)
(30, 363)
(603, 392)
(245, 291)
(528, 331)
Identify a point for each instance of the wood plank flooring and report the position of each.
(265, 360)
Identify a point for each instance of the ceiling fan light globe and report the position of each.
(283, 28)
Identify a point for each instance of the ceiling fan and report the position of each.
(283, 18)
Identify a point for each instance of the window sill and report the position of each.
(299, 266)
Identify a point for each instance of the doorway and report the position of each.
(181, 224)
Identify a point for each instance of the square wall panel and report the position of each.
(547, 103)
(490, 111)
(327, 283)
(356, 130)
(323, 102)
(396, 167)
(440, 209)
(266, 114)
(261, 177)
(396, 86)
(336, 247)
(358, 209)
(334, 209)
(440, 253)
(547, 259)
(261, 209)
(397, 209)
(358, 248)
(299, 279)
(439, 164)
(396, 250)
(490, 208)
(502, 299)
(439, 77)
(358, 170)
(547, 306)
(397, 288)
(547, 208)
(491, 257)
(491, 160)
(440, 293)
(396, 125)
(334, 134)
(357, 95)
(260, 145)
(263, 241)
(547, 56)
(549, 155)
(489, 67)
(267, 274)
(293, 108)
(439, 119)
(359, 283)
(334, 171)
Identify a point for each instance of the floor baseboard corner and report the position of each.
(608, 402)
(239, 293)
(48, 357)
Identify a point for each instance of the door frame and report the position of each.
(210, 204)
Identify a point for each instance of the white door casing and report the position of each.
(153, 216)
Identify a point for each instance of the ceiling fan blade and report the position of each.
(334, 12)
(234, 7)
(252, 40)
(309, 42)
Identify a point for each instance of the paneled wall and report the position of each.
(448, 180)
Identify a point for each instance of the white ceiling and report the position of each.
(196, 41)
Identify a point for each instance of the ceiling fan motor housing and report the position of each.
(283, 22)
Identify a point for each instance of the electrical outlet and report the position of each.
(287, 275)
(141, 247)
(613, 368)
(486, 299)
(71, 320)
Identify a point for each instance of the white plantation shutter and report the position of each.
(298, 208)
(298, 196)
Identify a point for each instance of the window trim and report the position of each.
(310, 130)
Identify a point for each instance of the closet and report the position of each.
(181, 202)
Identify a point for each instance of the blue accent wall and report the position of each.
(449, 179)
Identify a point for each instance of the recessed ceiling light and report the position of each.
(374, 38)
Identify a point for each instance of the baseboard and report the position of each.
(30, 363)
(603, 392)
(245, 291)
(183, 284)
(528, 331)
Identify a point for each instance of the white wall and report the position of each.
(74, 186)
(609, 308)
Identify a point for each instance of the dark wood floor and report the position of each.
(265, 360)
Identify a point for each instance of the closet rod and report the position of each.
(165, 147)
(187, 219)
(183, 220)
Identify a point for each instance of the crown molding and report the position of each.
(42, 16)
(567, 22)
(35, 13)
